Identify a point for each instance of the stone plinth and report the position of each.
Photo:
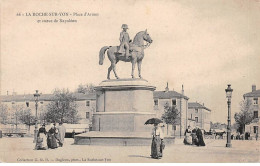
(122, 108)
(123, 105)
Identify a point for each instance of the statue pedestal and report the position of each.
(122, 108)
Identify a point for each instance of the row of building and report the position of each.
(191, 113)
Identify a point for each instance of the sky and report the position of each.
(203, 45)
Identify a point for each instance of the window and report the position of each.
(196, 110)
(255, 101)
(174, 102)
(196, 119)
(156, 102)
(87, 115)
(87, 103)
(255, 129)
(255, 114)
(173, 127)
(190, 116)
(27, 104)
(41, 102)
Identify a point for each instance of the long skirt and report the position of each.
(52, 143)
(42, 142)
(200, 141)
(156, 151)
(188, 140)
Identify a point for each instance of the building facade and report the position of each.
(172, 98)
(199, 115)
(253, 98)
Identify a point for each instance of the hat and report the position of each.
(124, 26)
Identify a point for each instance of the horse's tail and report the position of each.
(102, 54)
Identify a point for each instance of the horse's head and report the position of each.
(147, 37)
(142, 36)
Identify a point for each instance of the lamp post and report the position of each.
(36, 98)
(229, 95)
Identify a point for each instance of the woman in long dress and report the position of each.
(156, 147)
(42, 139)
(52, 143)
(200, 138)
(188, 138)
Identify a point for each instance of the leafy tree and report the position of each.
(245, 116)
(3, 113)
(171, 115)
(86, 88)
(62, 108)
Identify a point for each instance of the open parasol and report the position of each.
(153, 121)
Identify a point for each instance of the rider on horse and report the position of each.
(124, 41)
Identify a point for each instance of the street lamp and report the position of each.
(36, 98)
(229, 95)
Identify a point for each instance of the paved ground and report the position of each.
(21, 150)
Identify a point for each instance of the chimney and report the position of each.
(182, 90)
(167, 88)
(253, 88)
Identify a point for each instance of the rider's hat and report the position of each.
(124, 26)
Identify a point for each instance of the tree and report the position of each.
(27, 118)
(62, 108)
(17, 113)
(86, 88)
(171, 115)
(3, 113)
(245, 116)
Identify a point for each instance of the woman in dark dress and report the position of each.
(52, 143)
(200, 138)
(157, 142)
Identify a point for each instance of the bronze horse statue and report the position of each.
(136, 53)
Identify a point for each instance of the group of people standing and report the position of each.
(193, 137)
(51, 139)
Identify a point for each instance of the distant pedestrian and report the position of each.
(52, 143)
(188, 138)
(200, 137)
(157, 142)
(42, 139)
(61, 133)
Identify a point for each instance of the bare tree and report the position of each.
(245, 116)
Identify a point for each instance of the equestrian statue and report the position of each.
(128, 51)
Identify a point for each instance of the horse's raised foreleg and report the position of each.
(133, 68)
(114, 69)
(139, 63)
(108, 72)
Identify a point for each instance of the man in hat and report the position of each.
(124, 41)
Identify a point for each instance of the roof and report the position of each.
(168, 95)
(197, 105)
(255, 93)
(44, 97)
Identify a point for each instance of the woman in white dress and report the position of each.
(188, 138)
